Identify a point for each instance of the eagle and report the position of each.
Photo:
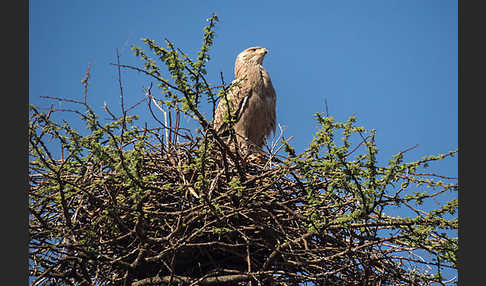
(251, 100)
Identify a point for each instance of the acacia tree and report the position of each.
(129, 204)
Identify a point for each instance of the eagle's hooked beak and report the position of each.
(263, 51)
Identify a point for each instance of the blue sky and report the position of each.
(391, 63)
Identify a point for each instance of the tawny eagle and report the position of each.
(251, 100)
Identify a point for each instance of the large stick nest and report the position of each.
(223, 223)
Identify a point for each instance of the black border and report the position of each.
(471, 78)
(15, 118)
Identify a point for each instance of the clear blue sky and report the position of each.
(391, 63)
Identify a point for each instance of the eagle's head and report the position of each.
(253, 55)
(250, 56)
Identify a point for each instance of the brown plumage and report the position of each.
(252, 102)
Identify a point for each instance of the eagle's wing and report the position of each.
(237, 101)
(271, 98)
